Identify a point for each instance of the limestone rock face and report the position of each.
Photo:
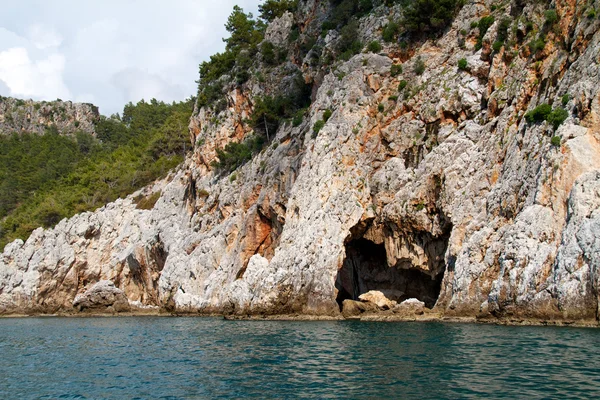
(438, 190)
(410, 307)
(377, 298)
(35, 117)
(352, 308)
(102, 296)
(278, 31)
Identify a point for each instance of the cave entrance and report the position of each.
(366, 268)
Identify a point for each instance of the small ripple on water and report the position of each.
(212, 358)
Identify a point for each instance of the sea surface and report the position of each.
(209, 358)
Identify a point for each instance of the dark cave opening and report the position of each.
(365, 268)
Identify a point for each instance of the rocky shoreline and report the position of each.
(312, 318)
(105, 300)
(408, 174)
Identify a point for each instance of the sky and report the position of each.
(109, 52)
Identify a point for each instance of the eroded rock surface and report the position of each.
(377, 298)
(18, 116)
(102, 296)
(410, 307)
(440, 191)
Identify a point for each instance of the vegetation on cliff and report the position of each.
(44, 178)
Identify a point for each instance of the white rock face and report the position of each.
(457, 199)
(102, 295)
(378, 298)
(278, 31)
(410, 307)
(35, 116)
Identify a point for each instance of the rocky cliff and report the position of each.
(443, 180)
(32, 116)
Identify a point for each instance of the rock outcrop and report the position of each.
(377, 298)
(102, 296)
(430, 186)
(18, 116)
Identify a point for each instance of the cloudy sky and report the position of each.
(109, 52)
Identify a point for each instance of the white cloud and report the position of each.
(4, 87)
(38, 79)
(109, 51)
(43, 37)
(137, 84)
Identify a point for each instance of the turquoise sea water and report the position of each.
(152, 357)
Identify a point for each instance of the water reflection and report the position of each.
(212, 358)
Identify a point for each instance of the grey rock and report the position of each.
(101, 296)
(449, 184)
(35, 117)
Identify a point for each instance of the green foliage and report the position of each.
(393, 98)
(591, 14)
(503, 29)
(483, 25)
(537, 45)
(565, 99)
(44, 178)
(209, 88)
(419, 66)
(555, 141)
(307, 44)
(241, 47)
(529, 26)
(557, 117)
(146, 203)
(298, 117)
(236, 154)
(327, 114)
(462, 64)
(294, 34)
(502, 35)
(270, 111)
(29, 162)
(317, 127)
(544, 112)
(396, 69)
(112, 131)
(430, 15)
(380, 107)
(390, 32)
(551, 17)
(402, 85)
(272, 9)
(344, 17)
(538, 114)
(374, 47)
(348, 45)
(267, 49)
(345, 10)
(85, 142)
(243, 29)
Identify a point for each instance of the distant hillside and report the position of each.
(18, 115)
(52, 173)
